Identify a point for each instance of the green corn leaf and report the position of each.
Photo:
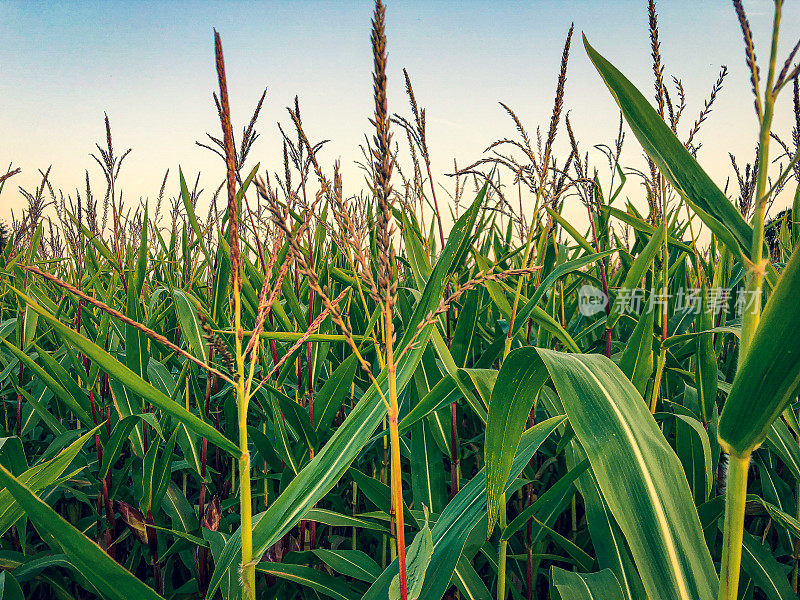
(322, 583)
(63, 377)
(766, 572)
(637, 357)
(177, 507)
(105, 574)
(428, 478)
(378, 493)
(120, 434)
(552, 277)
(460, 517)
(187, 205)
(186, 310)
(31, 320)
(633, 278)
(694, 450)
(329, 399)
(162, 470)
(550, 501)
(136, 354)
(538, 315)
(321, 515)
(468, 582)
(706, 370)
(352, 563)
(41, 411)
(667, 151)
(37, 478)
(132, 381)
(609, 543)
(58, 390)
(642, 226)
(12, 455)
(9, 588)
(97, 242)
(518, 383)
(582, 241)
(640, 476)
(586, 586)
(769, 378)
(418, 557)
(464, 335)
(443, 393)
(188, 443)
(222, 280)
(126, 406)
(781, 441)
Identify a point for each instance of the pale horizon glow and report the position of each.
(150, 66)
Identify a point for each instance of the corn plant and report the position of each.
(304, 394)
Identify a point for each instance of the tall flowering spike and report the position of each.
(242, 394)
(230, 160)
(750, 52)
(383, 160)
(558, 105)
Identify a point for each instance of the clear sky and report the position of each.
(150, 66)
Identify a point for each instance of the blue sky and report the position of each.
(150, 66)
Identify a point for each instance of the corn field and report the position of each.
(394, 395)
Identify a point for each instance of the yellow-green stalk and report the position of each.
(736, 492)
(502, 553)
(735, 497)
(240, 384)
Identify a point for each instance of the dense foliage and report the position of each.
(306, 395)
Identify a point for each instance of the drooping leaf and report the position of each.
(37, 478)
(134, 382)
(105, 574)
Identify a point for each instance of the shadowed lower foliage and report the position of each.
(299, 393)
